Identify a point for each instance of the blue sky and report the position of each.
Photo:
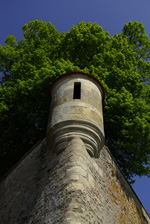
(110, 14)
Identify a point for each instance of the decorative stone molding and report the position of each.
(76, 111)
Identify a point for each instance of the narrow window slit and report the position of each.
(77, 90)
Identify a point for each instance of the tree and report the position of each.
(121, 63)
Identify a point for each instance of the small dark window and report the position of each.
(77, 90)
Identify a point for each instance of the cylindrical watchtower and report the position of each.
(76, 111)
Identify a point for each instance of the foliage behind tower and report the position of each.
(120, 62)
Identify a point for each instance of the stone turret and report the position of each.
(73, 187)
(76, 111)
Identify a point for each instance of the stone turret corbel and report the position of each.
(76, 111)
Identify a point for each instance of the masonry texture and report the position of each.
(70, 177)
(76, 117)
(70, 188)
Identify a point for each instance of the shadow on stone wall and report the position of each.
(43, 189)
(21, 190)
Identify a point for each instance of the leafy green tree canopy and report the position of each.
(121, 63)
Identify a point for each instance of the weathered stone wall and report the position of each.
(120, 201)
(69, 188)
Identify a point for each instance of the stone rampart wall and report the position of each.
(70, 188)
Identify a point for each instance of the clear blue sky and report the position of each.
(110, 14)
